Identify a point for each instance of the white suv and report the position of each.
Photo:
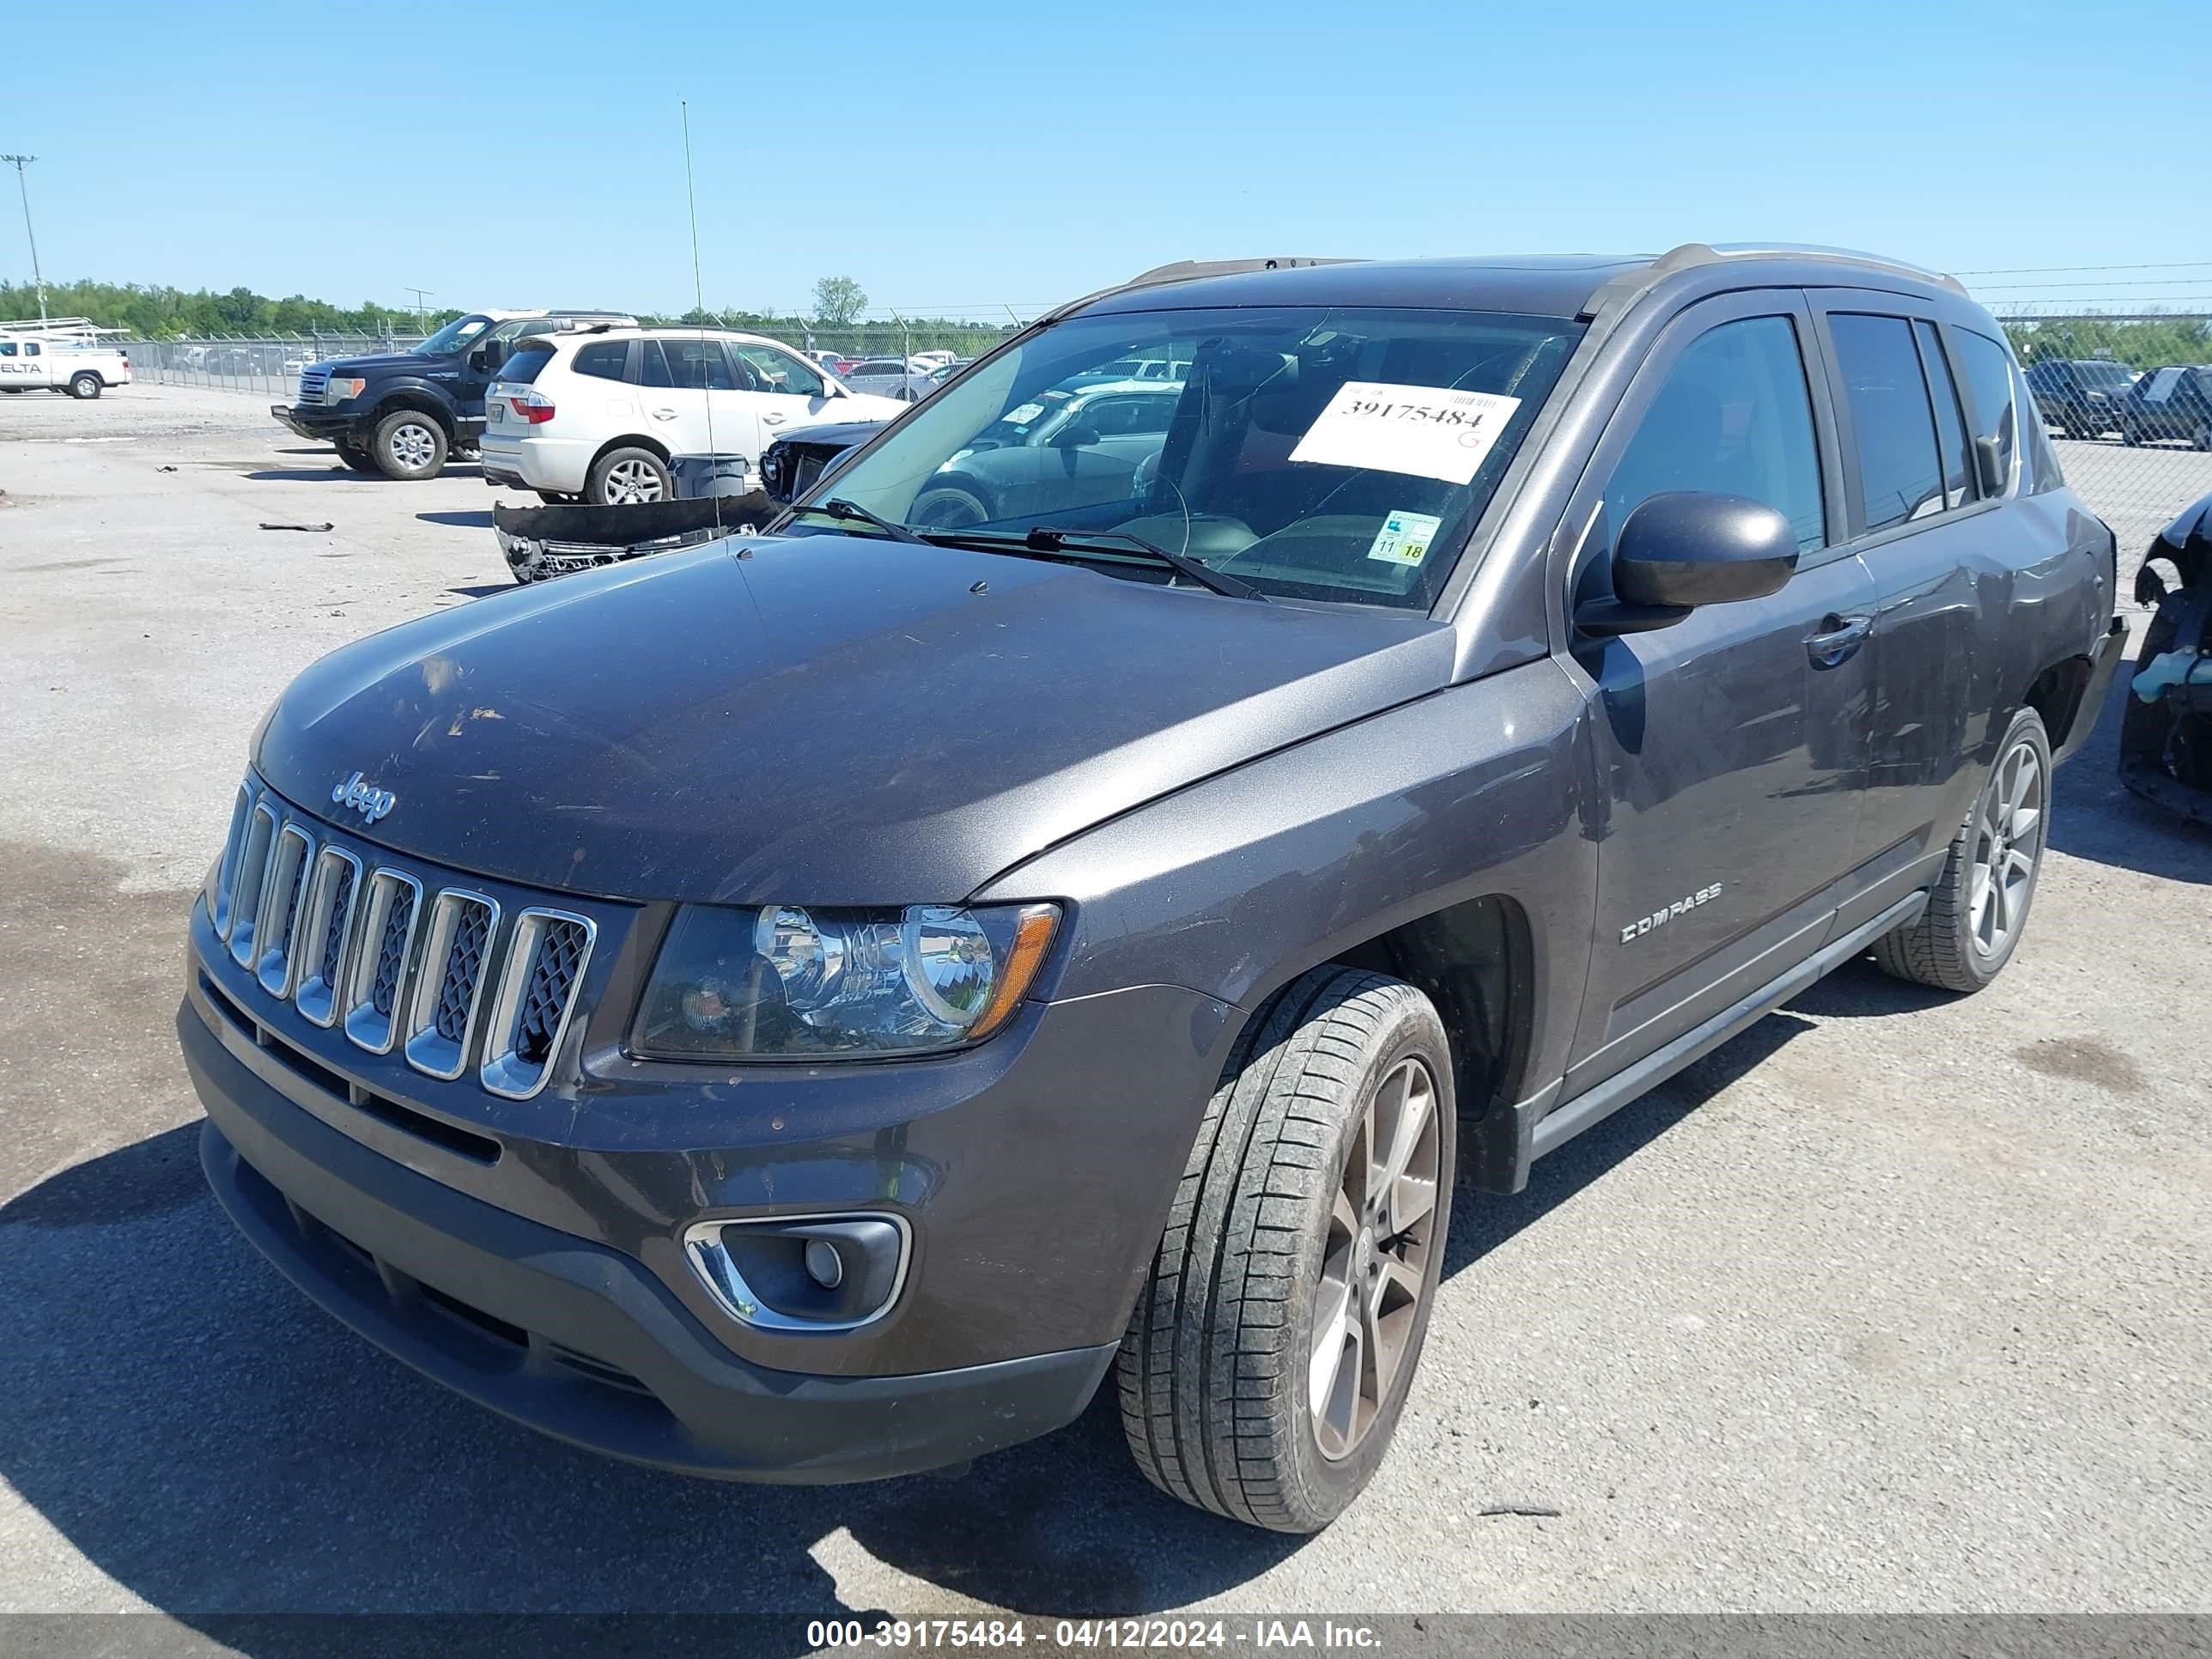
(600, 413)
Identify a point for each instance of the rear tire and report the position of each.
(1979, 908)
(409, 445)
(1289, 1257)
(623, 476)
(85, 386)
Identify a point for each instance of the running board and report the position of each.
(1563, 1124)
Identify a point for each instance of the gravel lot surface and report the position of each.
(1901, 1302)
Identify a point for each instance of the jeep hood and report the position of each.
(826, 720)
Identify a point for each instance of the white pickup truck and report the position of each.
(54, 359)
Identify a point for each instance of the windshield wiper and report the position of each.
(853, 513)
(1049, 538)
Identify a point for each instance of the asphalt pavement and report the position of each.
(1898, 1303)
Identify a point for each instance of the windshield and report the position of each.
(2096, 372)
(452, 337)
(1335, 454)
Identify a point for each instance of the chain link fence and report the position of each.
(263, 365)
(2127, 402)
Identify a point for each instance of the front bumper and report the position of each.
(569, 1337)
(314, 422)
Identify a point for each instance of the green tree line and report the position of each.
(2151, 344)
(152, 312)
(155, 312)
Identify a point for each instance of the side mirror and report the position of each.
(1077, 435)
(1684, 548)
(1990, 465)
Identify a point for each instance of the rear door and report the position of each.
(1731, 748)
(678, 383)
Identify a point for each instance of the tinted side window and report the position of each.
(1950, 425)
(1121, 417)
(524, 368)
(7, 348)
(606, 360)
(1733, 417)
(655, 371)
(698, 365)
(1988, 371)
(776, 370)
(1900, 476)
(2042, 470)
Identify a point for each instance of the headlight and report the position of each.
(337, 390)
(780, 983)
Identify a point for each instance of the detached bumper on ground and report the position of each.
(569, 1337)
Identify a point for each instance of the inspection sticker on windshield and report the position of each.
(1425, 431)
(1405, 537)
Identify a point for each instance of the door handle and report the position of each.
(771, 420)
(1839, 636)
(664, 414)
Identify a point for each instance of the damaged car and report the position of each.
(2165, 736)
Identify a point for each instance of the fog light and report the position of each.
(823, 1265)
(813, 1272)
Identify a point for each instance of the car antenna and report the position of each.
(699, 302)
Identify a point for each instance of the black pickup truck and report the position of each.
(402, 413)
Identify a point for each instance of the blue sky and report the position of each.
(962, 157)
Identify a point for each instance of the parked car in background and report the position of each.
(933, 359)
(2173, 403)
(51, 365)
(401, 414)
(600, 415)
(1102, 433)
(2166, 730)
(905, 379)
(791, 465)
(819, 1016)
(831, 361)
(2080, 396)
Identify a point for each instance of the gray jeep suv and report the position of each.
(810, 1007)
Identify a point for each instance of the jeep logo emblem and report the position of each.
(357, 794)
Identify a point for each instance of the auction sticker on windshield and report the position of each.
(1405, 537)
(1425, 431)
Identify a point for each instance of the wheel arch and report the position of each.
(2057, 694)
(635, 440)
(419, 402)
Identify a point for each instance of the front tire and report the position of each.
(356, 458)
(949, 507)
(621, 476)
(1975, 916)
(409, 445)
(85, 386)
(1271, 1351)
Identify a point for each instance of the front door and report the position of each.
(1729, 749)
(783, 392)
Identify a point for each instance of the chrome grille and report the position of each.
(392, 954)
(312, 383)
(325, 929)
(449, 987)
(363, 946)
(283, 884)
(391, 905)
(537, 992)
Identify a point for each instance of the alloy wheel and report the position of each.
(413, 445)
(632, 481)
(1379, 1262)
(2007, 841)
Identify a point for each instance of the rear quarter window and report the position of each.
(524, 368)
(1988, 370)
(606, 359)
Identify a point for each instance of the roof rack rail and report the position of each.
(1184, 270)
(1630, 285)
(57, 325)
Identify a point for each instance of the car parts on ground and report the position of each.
(2165, 736)
(538, 542)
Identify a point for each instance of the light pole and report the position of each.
(18, 162)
